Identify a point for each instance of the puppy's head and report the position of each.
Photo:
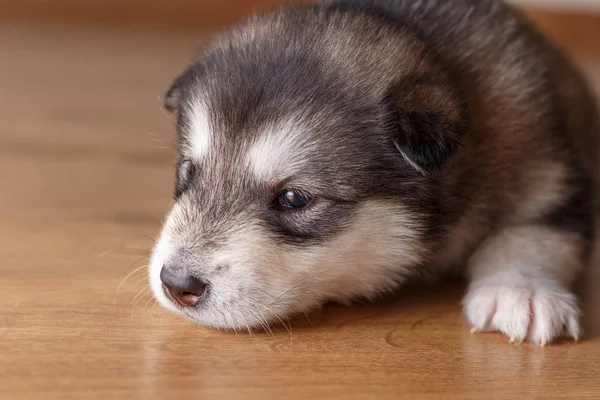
(310, 142)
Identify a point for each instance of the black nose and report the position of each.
(185, 289)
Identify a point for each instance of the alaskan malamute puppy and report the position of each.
(330, 151)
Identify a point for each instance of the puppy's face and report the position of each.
(290, 189)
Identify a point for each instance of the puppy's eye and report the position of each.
(294, 199)
(185, 171)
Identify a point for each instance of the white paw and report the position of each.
(538, 314)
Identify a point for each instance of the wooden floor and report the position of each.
(86, 175)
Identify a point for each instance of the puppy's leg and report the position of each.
(519, 283)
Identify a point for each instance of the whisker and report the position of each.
(246, 323)
(265, 324)
(255, 316)
(240, 316)
(135, 262)
(105, 253)
(145, 290)
(146, 305)
(277, 296)
(121, 248)
(306, 315)
(123, 281)
(156, 305)
(142, 292)
(289, 329)
(148, 237)
(164, 112)
(144, 279)
(159, 141)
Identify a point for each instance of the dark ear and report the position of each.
(172, 97)
(428, 118)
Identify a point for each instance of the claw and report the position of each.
(474, 330)
(514, 340)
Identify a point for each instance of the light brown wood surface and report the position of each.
(201, 15)
(86, 174)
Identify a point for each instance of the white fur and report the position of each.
(519, 285)
(198, 133)
(379, 246)
(279, 152)
(266, 282)
(162, 251)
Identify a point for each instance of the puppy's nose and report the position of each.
(185, 289)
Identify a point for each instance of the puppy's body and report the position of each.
(424, 135)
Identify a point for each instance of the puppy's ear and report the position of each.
(428, 121)
(172, 97)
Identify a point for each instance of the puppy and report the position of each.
(330, 151)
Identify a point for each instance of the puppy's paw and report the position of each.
(535, 313)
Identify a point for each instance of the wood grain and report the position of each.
(86, 175)
(573, 29)
(171, 14)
